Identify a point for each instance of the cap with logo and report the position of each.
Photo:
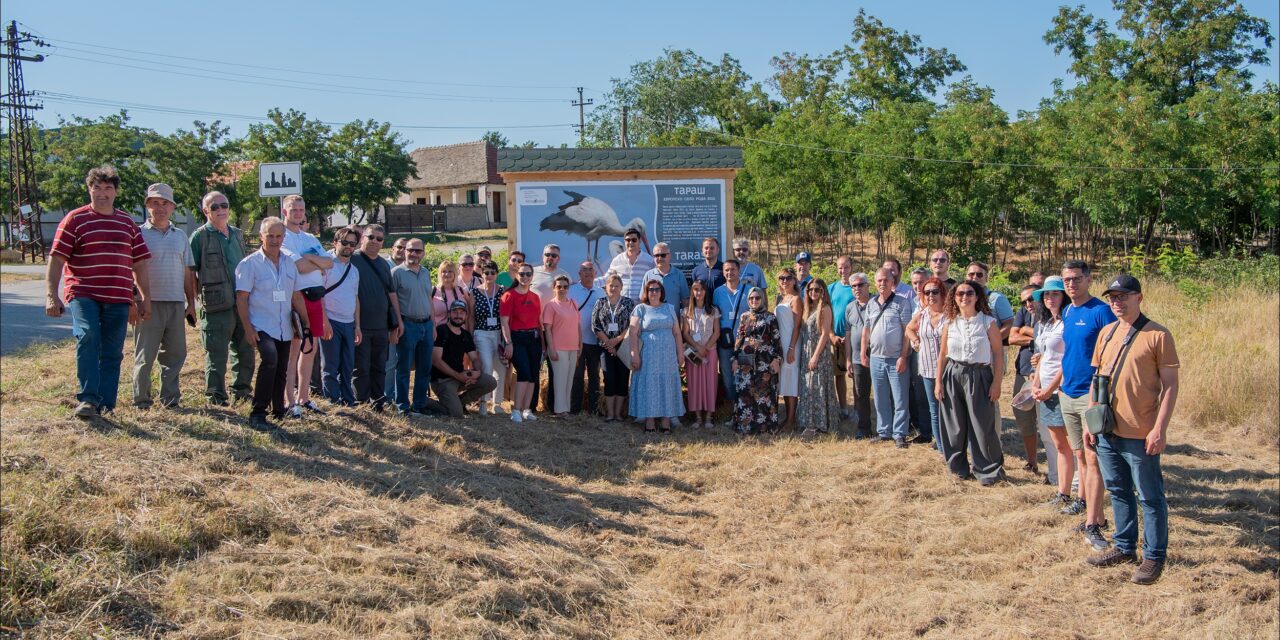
(162, 191)
(1123, 283)
(803, 256)
(457, 304)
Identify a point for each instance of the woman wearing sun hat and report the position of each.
(1049, 346)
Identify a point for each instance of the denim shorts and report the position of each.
(1051, 412)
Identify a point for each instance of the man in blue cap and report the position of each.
(803, 264)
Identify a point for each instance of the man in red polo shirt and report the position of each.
(103, 253)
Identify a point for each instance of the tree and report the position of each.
(673, 98)
(496, 139)
(290, 136)
(1173, 46)
(187, 160)
(372, 165)
(81, 144)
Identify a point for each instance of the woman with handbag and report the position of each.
(968, 385)
(447, 290)
(610, 320)
(757, 360)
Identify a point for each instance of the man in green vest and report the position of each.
(217, 247)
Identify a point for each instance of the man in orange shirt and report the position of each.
(1142, 385)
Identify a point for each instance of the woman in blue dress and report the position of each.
(656, 357)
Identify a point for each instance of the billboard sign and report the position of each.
(588, 218)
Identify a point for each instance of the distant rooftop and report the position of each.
(619, 159)
(454, 165)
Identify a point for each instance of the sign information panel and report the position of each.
(580, 216)
(279, 179)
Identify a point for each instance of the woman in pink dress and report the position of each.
(701, 320)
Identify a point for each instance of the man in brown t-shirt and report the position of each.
(1143, 390)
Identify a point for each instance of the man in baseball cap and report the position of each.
(173, 298)
(803, 264)
(1138, 364)
(452, 382)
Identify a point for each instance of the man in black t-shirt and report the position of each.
(455, 385)
(379, 318)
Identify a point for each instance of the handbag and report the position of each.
(1100, 418)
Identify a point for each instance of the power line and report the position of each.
(303, 85)
(974, 163)
(104, 102)
(98, 47)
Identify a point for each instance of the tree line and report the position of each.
(355, 167)
(1158, 134)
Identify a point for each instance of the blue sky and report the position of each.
(494, 65)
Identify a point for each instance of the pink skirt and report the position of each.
(702, 384)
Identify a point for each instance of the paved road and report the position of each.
(22, 318)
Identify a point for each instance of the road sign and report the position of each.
(279, 178)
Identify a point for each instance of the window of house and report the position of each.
(473, 196)
(421, 201)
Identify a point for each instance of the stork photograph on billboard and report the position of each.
(588, 219)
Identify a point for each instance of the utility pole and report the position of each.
(624, 127)
(23, 216)
(582, 116)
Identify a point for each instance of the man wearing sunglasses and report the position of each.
(940, 262)
(342, 309)
(413, 287)
(841, 294)
(216, 248)
(750, 274)
(379, 318)
(632, 264)
(855, 321)
(544, 277)
(673, 281)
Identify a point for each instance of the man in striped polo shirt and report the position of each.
(103, 253)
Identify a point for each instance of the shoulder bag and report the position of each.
(1101, 417)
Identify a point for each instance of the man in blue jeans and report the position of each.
(104, 254)
(1143, 386)
(413, 290)
(885, 351)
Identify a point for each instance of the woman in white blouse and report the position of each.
(1047, 378)
(968, 385)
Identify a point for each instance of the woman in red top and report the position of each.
(521, 311)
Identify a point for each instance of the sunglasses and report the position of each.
(630, 240)
(975, 274)
(859, 284)
(414, 251)
(219, 205)
(966, 294)
(347, 243)
(661, 255)
(1026, 301)
(376, 239)
(526, 274)
(484, 255)
(815, 290)
(490, 273)
(551, 255)
(939, 260)
(515, 260)
(932, 292)
(785, 278)
(468, 264)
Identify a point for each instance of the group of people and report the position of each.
(926, 355)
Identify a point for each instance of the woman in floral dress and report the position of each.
(757, 358)
(818, 411)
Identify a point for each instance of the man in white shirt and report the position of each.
(585, 294)
(311, 261)
(342, 310)
(632, 264)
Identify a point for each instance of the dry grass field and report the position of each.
(187, 524)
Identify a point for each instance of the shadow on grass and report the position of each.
(1199, 494)
(456, 470)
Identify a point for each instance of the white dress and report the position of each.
(789, 379)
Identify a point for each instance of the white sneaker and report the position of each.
(295, 411)
(528, 415)
(515, 417)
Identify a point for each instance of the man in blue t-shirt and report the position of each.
(841, 292)
(710, 271)
(1082, 320)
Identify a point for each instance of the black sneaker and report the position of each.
(1094, 538)
(1075, 508)
(901, 442)
(1080, 527)
(1059, 499)
(260, 423)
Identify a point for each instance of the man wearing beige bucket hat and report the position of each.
(173, 298)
